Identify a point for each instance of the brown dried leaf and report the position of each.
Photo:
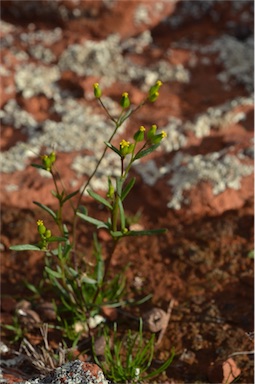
(230, 371)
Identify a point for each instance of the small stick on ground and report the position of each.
(163, 330)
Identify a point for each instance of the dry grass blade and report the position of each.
(44, 358)
(163, 330)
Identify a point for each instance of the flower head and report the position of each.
(152, 131)
(41, 227)
(48, 161)
(97, 90)
(139, 135)
(125, 102)
(124, 144)
(126, 147)
(153, 92)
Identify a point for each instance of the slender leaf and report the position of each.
(128, 188)
(113, 148)
(72, 272)
(33, 288)
(100, 199)
(54, 193)
(99, 268)
(83, 209)
(119, 185)
(66, 233)
(146, 152)
(52, 239)
(25, 247)
(70, 195)
(116, 233)
(98, 223)
(59, 251)
(125, 116)
(66, 250)
(47, 209)
(38, 166)
(162, 368)
(88, 280)
(138, 302)
(122, 215)
(53, 273)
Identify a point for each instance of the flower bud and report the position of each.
(47, 163)
(41, 227)
(152, 131)
(47, 233)
(139, 135)
(163, 134)
(156, 139)
(155, 87)
(52, 157)
(43, 245)
(153, 97)
(110, 193)
(126, 147)
(153, 92)
(125, 102)
(97, 90)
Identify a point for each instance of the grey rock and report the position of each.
(70, 373)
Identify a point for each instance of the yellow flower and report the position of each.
(153, 92)
(125, 102)
(97, 90)
(39, 222)
(124, 143)
(163, 134)
(139, 135)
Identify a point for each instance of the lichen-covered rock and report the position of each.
(129, 18)
(73, 372)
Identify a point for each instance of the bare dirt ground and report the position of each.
(204, 261)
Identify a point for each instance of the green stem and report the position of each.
(107, 265)
(108, 114)
(86, 185)
(59, 212)
(115, 212)
(124, 174)
(117, 123)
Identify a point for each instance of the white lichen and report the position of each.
(218, 117)
(12, 114)
(32, 79)
(220, 169)
(141, 15)
(237, 58)
(106, 60)
(109, 167)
